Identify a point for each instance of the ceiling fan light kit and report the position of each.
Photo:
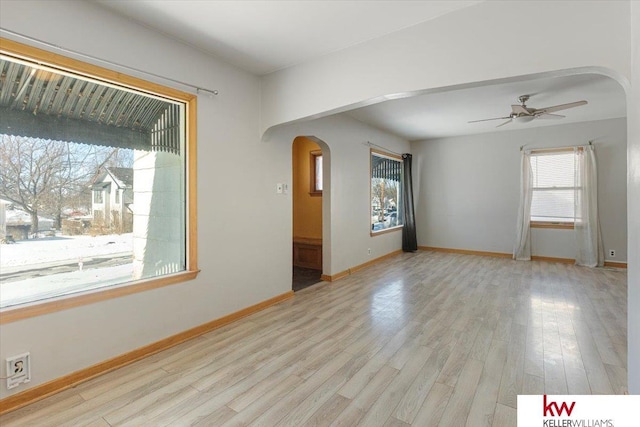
(523, 114)
(523, 119)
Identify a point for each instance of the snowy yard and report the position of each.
(48, 255)
(62, 248)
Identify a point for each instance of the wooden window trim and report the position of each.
(312, 173)
(552, 224)
(29, 53)
(558, 150)
(383, 154)
(386, 230)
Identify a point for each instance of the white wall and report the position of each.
(244, 244)
(346, 234)
(491, 40)
(467, 188)
(633, 199)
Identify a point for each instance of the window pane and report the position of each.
(386, 191)
(318, 169)
(553, 187)
(553, 170)
(552, 205)
(105, 168)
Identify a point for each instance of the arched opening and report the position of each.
(309, 191)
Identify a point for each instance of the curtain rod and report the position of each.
(94, 58)
(380, 146)
(558, 148)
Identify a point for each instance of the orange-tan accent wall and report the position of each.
(307, 210)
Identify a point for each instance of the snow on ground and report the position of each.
(49, 251)
(42, 288)
(62, 248)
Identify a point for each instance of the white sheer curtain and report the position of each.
(522, 248)
(589, 248)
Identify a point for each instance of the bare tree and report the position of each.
(385, 191)
(29, 170)
(44, 176)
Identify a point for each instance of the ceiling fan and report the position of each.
(522, 113)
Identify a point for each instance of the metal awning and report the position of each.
(386, 168)
(40, 103)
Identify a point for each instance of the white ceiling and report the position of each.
(447, 113)
(265, 36)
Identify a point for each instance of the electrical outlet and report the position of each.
(612, 253)
(369, 251)
(18, 370)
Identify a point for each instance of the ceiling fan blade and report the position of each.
(519, 109)
(505, 123)
(562, 107)
(550, 116)
(486, 120)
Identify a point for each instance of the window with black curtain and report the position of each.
(386, 192)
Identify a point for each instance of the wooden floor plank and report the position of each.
(390, 397)
(434, 405)
(327, 413)
(417, 392)
(486, 397)
(513, 373)
(279, 410)
(359, 406)
(504, 416)
(457, 410)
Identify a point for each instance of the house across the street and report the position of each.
(112, 195)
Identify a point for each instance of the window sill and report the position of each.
(386, 230)
(556, 225)
(25, 311)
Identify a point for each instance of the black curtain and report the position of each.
(409, 239)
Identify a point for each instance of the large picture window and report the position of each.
(386, 192)
(97, 178)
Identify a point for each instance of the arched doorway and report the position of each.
(307, 193)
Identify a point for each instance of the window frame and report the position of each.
(98, 196)
(559, 225)
(313, 173)
(21, 51)
(398, 158)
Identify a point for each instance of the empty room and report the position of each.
(458, 180)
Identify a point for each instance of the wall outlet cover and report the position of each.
(18, 370)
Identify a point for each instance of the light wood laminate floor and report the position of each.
(421, 339)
